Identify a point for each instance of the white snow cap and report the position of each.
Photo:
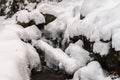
(92, 71)
(19, 30)
(56, 57)
(47, 9)
(15, 55)
(56, 28)
(16, 59)
(24, 16)
(33, 32)
(116, 39)
(75, 51)
(101, 48)
(36, 16)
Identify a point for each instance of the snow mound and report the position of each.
(33, 32)
(116, 39)
(56, 57)
(36, 16)
(101, 48)
(17, 58)
(18, 30)
(96, 5)
(23, 16)
(30, 6)
(76, 52)
(92, 71)
(46, 8)
(96, 26)
(56, 28)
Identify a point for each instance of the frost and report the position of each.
(101, 48)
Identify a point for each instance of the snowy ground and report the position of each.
(97, 21)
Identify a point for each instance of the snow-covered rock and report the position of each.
(116, 39)
(56, 28)
(98, 25)
(12, 35)
(47, 9)
(37, 17)
(18, 30)
(33, 32)
(101, 48)
(30, 6)
(100, 28)
(56, 57)
(96, 5)
(16, 57)
(22, 16)
(92, 71)
(76, 51)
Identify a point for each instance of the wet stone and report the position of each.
(48, 74)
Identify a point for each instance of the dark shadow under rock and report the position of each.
(49, 18)
(82, 17)
(48, 74)
(88, 45)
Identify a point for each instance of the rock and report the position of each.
(49, 18)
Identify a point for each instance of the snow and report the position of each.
(36, 16)
(47, 9)
(75, 51)
(22, 16)
(101, 48)
(96, 5)
(4, 36)
(17, 58)
(33, 32)
(116, 39)
(2, 18)
(33, 57)
(17, 29)
(101, 25)
(56, 57)
(92, 71)
(56, 28)
(30, 6)
(97, 25)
